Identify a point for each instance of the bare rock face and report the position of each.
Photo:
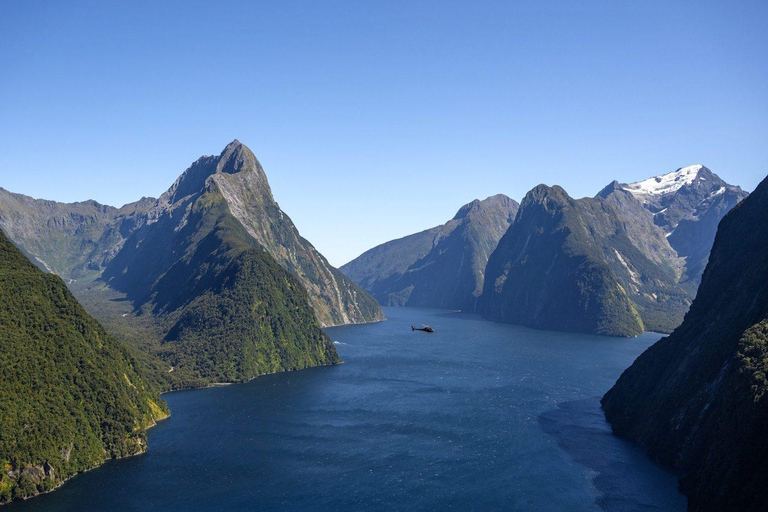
(38, 473)
(240, 179)
(687, 205)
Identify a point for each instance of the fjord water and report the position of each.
(477, 416)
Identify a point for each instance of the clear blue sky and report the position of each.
(374, 120)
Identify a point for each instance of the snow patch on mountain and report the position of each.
(664, 184)
(718, 192)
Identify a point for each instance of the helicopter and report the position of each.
(424, 328)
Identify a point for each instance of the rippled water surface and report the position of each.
(478, 416)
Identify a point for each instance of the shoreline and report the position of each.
(158, 420)
(355, 323)
(70, 477)
(223, 384)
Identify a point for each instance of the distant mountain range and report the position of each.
(698, 399)
(231, 288)
(441, 267)
(623, 262)
(71, 396)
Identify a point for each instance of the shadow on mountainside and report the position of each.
(625, 479)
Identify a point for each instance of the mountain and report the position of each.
(441, 267)
(627, 260)
(237, 179)
(688, 205)
(79, 240)
(697, 399)
(70, 395)
(221, 284)
(549, 270)
(226, 309)
(66, 239)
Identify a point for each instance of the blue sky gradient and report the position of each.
(374, 120)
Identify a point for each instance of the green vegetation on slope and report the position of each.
(236, 330)
(225, 310)
(697, 399)
(70, 395)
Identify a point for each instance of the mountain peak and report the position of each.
(237, 157)
(610, 188)
(464, 210)
(670, 182)
(541, 192)
(494, 202)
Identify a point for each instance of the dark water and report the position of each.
(479, 416)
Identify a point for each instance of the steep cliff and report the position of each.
(549, 270)
(442, 267)
(697, 399)
(70, 395)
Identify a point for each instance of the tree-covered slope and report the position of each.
(227, 311)
(216, 244)
(697, 399)
(70, 395)
(441, 267)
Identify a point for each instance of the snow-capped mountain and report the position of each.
(666, 183)
(688, 205)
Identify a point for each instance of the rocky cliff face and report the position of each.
(70, 395)
(697, 399)
(687, 205)
(243, 185)
(550, 271)
(441, 267)
(80, 239)
(616, 245)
